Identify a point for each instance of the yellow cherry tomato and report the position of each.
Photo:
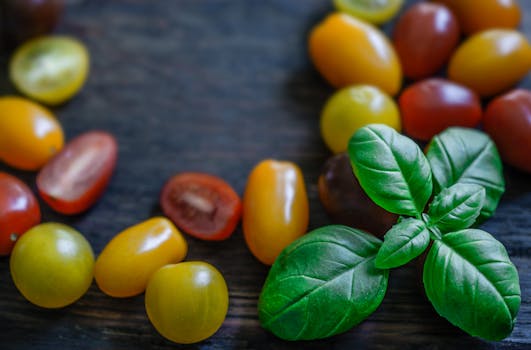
(29, 133)
(187, 302)
(52, 265)
(275, 208)
(491, 61)
(348, 51)
(351, 108)
(376, 12)
(127, 262)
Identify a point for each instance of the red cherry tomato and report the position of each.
(202, 205)
(76, 177)
(19, 211)
(425, 37)
(430, 106)
(508, 121)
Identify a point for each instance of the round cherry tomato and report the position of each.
(275, 208)
(491, 61)
(29, 134)
(345, 200)
(50, 69)
(430, 106)
(187, 302)
(19, 211)
(376, 12)
(508, 121)
(127, 262)
(477, 15)
(52, 265)
(348, 51)
(202, 205)
(351, 108)
(76, 177)
(424, 38)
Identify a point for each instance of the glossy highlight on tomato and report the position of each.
(19, 211)
(275, 208)
(76, 177)
(29, 133)
(187, 302)
(202, 205)
(348, 51)
(128, 261)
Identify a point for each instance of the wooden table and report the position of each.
(216, 86)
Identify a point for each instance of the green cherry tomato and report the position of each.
(52, 265)
(376, 12)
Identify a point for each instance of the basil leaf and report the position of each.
(456, 207)
(402, 243)
(391, 169)
(322, 284)
(460, 155)
(470, 281)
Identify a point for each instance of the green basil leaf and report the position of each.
(391, 168)
(402, 243)
(470, 281)
(322, 284)
(456, 207)
(460, 155)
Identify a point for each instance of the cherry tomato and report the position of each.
(351, 108)
(376, 12)
(76, 177)
(477, 15)
(346, 202)
(348, 51)
(202, 205)
(508, 121)
(29, 134)
(275, 208)
(187, 302)
(50, 69)
(127, 262)
(19, 211)
(430, 106)
(424, 38)
(491, 61)
(52, 265)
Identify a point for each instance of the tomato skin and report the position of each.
(505, 59)
(202, 205)
(52, 252)
(348, 51)
(29, 134)
(379, 16)
(275, 208)
(19, 211)
(74, 179)
(507, 120)
(353, 107)
(430, 106)
(477, 15)
(128, 261)
(187, 302)
(424, 38)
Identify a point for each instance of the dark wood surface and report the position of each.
(216, 86)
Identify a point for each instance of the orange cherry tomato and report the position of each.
(127, 262)
(348, 51)
(29, 133)
(275, 208)
(491, 61)
(477, 15)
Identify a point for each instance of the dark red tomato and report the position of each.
(19, 211)
(508, 121)
(77, 176)
(202, 205)
(430, 106)
(346, 202)
(425, 37)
